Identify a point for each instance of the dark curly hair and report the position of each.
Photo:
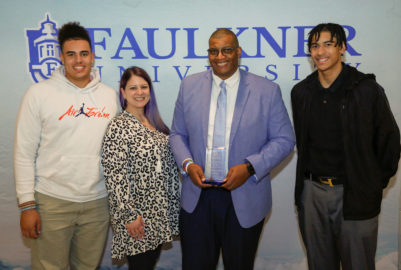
(72, 31)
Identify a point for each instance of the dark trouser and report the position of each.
(213, 226)
(328, 238)
(144, 261)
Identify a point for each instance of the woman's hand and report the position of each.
(136, 228)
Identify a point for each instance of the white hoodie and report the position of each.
(58, 138)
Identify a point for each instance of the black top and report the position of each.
(371, 140)
(325, 155)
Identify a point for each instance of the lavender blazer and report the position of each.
(261, 133)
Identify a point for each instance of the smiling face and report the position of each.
(224, 65)
(326, 54)
(137, 94)
(77, 59)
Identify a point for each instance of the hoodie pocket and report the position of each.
(79, 174)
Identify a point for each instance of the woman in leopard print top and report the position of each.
(141, 175)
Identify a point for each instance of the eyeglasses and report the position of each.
(226, 51)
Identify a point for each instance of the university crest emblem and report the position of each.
(43, 49)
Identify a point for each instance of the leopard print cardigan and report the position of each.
(141, 177)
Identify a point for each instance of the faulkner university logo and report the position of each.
(43, 49)
(184, 49)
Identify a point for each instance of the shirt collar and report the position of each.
(338, 82)
(230, 82)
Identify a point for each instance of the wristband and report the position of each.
(185, 162)
(27, 208)
(186, 165)
(26, 204)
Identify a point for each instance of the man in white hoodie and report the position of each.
(59, 181)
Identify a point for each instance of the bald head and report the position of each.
(221, 32)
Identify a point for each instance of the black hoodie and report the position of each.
(371, 141)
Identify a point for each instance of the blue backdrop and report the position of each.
(169, 39)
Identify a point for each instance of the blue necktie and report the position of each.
(219, 134)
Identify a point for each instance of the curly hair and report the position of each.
(72, 31)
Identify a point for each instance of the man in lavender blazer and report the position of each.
(228, 217)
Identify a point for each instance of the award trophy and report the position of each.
(217, 172)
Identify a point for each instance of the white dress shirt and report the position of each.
(232, 85)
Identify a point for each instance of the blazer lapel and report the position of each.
(205, 95)
(242, 97)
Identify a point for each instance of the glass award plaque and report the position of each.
(217, 172)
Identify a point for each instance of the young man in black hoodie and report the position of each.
(348, 148)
